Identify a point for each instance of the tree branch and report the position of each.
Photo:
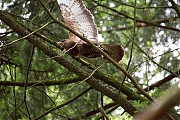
(136, 85)
(119, 98)
(137, 20)
(88, 114)
(40, 83)
(164, 80)
(161, 106)
(62, 105)
(175, 6)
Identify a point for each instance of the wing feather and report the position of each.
(78, 18)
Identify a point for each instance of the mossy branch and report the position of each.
(119, 98)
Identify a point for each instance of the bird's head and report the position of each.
(67, 44)
(61, 43)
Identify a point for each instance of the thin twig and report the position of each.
(86, 78)
(149, 56)
(62, 105)
(104, 113)
(26, 35)
(101, 52)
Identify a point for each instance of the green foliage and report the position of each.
(141, 105)
(156, 55)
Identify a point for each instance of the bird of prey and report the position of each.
(77, 17)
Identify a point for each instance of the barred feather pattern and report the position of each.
(78, 18)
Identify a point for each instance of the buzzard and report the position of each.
(77, 17)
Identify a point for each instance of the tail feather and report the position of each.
(116, 52)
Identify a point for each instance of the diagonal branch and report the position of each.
(119, 98)
(136, 85)
(175, 6)
(95, 111)
(164, 80)
(62, 105)
(137, 20)
(161, 106)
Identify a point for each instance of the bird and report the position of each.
(78, 18)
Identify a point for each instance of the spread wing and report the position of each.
(78, 18)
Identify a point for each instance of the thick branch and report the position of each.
(159, 108)
(40, 83)
(136, 85)
(119, 98)
(131, 95)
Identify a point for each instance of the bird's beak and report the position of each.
(61, 43)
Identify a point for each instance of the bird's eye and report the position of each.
(63, 40)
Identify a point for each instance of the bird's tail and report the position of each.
(116, 52)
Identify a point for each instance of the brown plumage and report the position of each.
(114, 51)
(79, 49)
(78, 18)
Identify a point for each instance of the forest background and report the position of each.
(38, 81)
